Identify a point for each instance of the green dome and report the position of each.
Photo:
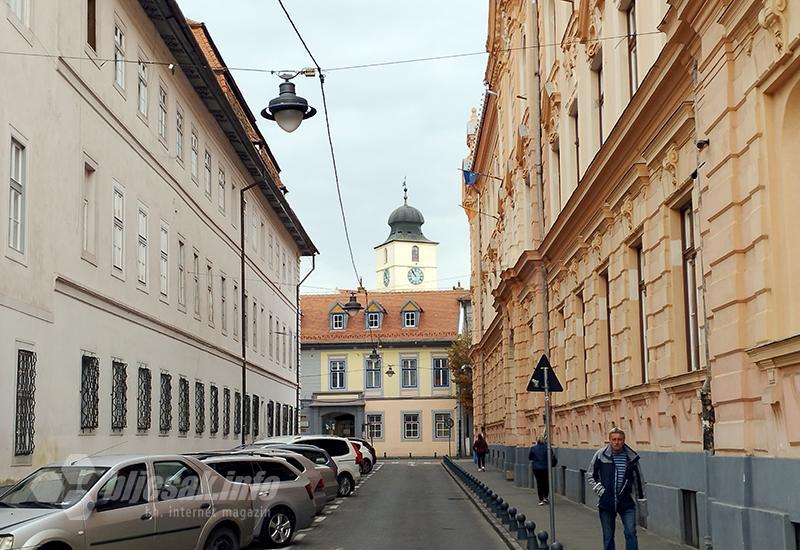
(406, 223)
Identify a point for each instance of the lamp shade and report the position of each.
(288, 109)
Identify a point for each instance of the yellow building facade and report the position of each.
(632, 218)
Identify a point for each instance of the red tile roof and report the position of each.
(438, 320)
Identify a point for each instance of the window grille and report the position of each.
(226, 411)
(441, 422)
(256, 413)
(144, 399)
(119, 395)
(199, 407)
(213, 402)
(246, 415)
(165, 413)
(183, 405)
(90, 376)
(26, 403)
(285, 419)
(237, 413)
(375, 426)
(270, 419)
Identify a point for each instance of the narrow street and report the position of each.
(409, 505)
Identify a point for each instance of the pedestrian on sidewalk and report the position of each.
(614, 474)
(538, 458)
(481, 448)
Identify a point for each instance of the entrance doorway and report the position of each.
(339, 424)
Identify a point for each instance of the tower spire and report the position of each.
(405, 191)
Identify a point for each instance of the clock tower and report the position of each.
(406, 260)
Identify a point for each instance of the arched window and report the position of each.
(386, 255)
(415, 253)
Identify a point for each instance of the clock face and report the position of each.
(415, 276)
(385, 277)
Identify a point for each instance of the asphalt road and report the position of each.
(408, 505)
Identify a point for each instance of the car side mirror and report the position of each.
(320, 460)
(102, 504)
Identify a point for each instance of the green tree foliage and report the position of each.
(457, 356)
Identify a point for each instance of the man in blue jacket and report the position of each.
(614, 474)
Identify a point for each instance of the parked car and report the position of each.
(347, 456)
(366, 464)
(369, 446)
(121, 502)
(282, 496)
(323, 463)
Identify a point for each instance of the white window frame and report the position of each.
(17, 195)
(210, 292)
(413, 373)
(163, 262)
(337, 321)
(196, 281)
(373, 374)
(270, 335)
(89, 211)
(207, 173)
(182, 272)
(142, 246)
(441, 429)
(179, 121)
(223, 296)
(436, 370)
(337, 374)
(195, 156)
(118, 229)
(408, 422)
(119, 56)
(271, 246)
(376, 316)
(375, 435)
(19, 9)
(412, 316)
(143, 99)
(235, 319)
(223, 188)
(163, 99)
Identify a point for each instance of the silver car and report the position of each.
(127, 502)
(283, 497)
(323, 463)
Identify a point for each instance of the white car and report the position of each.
(369, 458)
(345, 454)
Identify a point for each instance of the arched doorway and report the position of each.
(341, 424)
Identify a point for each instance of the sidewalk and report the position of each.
(577, 526)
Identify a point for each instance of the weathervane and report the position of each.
(405, 191)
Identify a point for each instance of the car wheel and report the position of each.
(367, 466)
(222, 539)
(278, 528)
(345, 485)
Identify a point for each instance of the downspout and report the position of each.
(297, 344)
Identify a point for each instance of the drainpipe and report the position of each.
(297, 343)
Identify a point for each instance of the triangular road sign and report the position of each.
(536, 383)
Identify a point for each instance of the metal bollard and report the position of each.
(530, 534)
(498, 504)
(556, 546)
(521, 533)
(511, 513)
(503, 512)
(491, 499)
(542, 536)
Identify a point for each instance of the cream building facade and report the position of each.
(633, 221)
(125, 147)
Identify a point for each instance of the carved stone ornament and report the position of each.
(570, 53)
(597, 243)
(771, 18)
(626, 211)
(670, 164)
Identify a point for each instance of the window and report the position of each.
(222, 190)
(409, 319)
(373, 374)
(415, 253)
(270, 335)
(196, 282)
(599, 91)
(165, 406)
(640, 277)
(285, 423)
(179, 133)
(90, 379)
(226, 412)
(199, 407)
(441, 425)
(175, 480)
(261, 239)
(246, 415)
(375, 426)
(283, 345)
(256, 414)
(337, 321)
(163, 266)
(162, 114)
(278, 425)
(408, 373)
(441, 372)
(285, 277)
(254, 229)
(210, 294)
(237, 413)
(16, 197)
(183, 405)
(576, 145)
(118, 240)
(690, 287)
(88, 235)
(128, 487)
(291, 348)
(633, 71)
(119, 395)
(606, 327)
(181, 273)
(581, 318)
(373, 319)
(142, 88)
(337, 370)
(262, 324)
(235, 320)
(270, 250)
(144, 397)
(91, 23)
(411, 426)
(255, 325)
(119, 57)
(270, 419)
(194, 155)
(141, 253)
(207, 173)
(223, 310)
(25, 403)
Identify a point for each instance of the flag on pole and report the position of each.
(470, 177)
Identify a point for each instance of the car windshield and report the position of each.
(52, 487)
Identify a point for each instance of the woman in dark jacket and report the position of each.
(538, 458)
(481, 448)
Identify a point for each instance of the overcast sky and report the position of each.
(387, 122)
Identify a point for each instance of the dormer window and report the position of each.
(373, 319)
(409, 319)
(337, 321)
(415, 253)
(373, 316)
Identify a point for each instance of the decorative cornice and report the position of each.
(777, 354)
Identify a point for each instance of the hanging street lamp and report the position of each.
(289, 109)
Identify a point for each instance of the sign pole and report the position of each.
(550, 497)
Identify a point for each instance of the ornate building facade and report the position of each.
(632, 219)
